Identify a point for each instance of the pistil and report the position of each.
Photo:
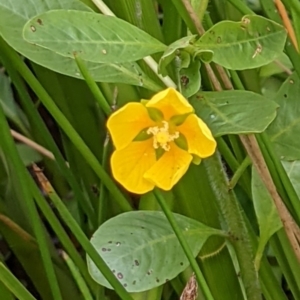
(161, 136)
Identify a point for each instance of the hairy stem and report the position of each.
(234, 223)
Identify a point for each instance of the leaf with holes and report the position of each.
(190, 79)
(93, 37)
(13, 16)
(266, 213)
(142, 250)
(284, 131)
(234, 112)
(251, 43)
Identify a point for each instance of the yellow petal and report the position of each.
(126, 123)
(130, 164)
(173, 164)
(199, 138)
(170, 103)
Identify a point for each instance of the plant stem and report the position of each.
(59, 230)
(288, 222)
(241, 6)
(77, 276)
(30, 143)
(13, 284)
(201, 280)
(21, 184)
(293, 4)
(87, 246)
(233, 164)
(65, 125)
(102, 205)
(271, 12)
(200, 8)
(239, 172)
(42, 132)
(93, 86)
(231, 212)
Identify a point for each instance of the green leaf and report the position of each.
(266, 213)
(5, 292)
(195, 198)
(13, 16)
(284, 131)
(11, 283)
(28, 155)
(251, 43)
(11, 110)
(93, 37)
(173, 50)
(183, 61)
(190, 79)
(142, 250)
(280, 65)
(234, 112)
(292, 169)
(204, 55)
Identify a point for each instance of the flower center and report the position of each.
(162, 136)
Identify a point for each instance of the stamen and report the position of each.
(162, 136)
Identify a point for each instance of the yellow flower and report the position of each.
(156, 141)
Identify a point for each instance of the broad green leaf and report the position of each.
(13, 16)
(251, 43)
(142, 250)
(93, 37)
(292, 169)
(284, 131)
(172, 51)
(266, 213)
(11, 109)
(190, 79)
(234, 112)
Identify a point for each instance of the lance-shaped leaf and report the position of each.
(266, 213)
(94, 37)
(142, 250)
(234, 112)
(13, 16)
(251, 43)
(11, 109)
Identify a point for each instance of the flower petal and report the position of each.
(166, 172)
(130, 164)
(199, 138)
(170, 103)
(127, 122)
